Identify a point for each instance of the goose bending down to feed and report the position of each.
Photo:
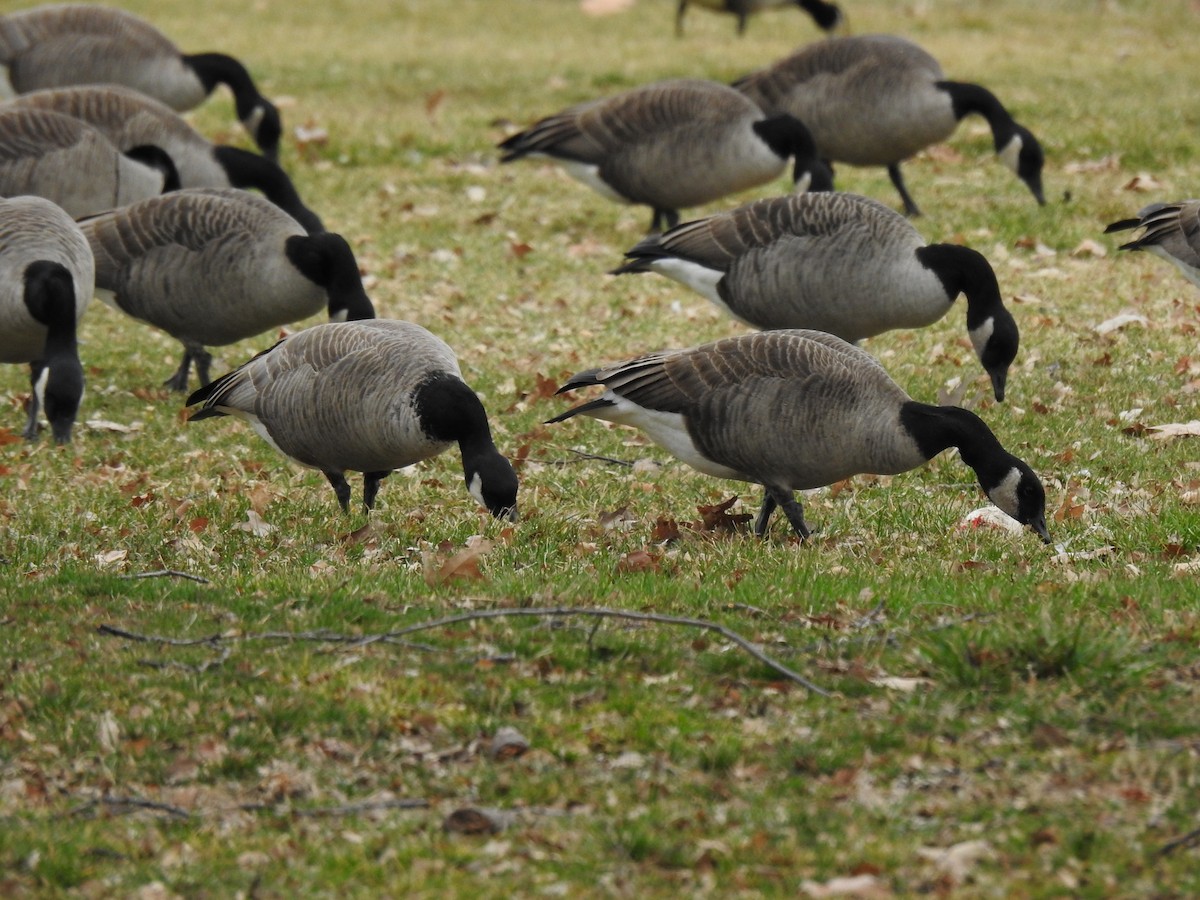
(210, 267)
(130, 120)
(793, 410)
(672, 145)
(827, 16)
(876, 100)
(70, 163)
(833, 262)
(1172, 231)
(366, 397)
(59, 45)
(46, 278)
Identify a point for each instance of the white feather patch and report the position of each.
(475, 489)
(668, 430)
(587, 174)
(1004, 495)
(700, 279)
(1010, 153)
(982, 334)
(39, 388)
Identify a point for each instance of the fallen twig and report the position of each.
(557, 612)
(129, 804)
(134, 804)
(1191, 839)
(598, 458)
(169, 573)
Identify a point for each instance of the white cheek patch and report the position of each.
(587, 174)
(252, 121)
(802, 183)
(1004, 495)
(39, 388)
(340, 316)
(982, 334)
(475, 489)
(1010, 153)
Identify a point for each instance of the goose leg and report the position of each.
(341, 489)
(664, 220)
(203, 360)
(791, 508)
(31, 427)
(764, 514)
(179, 381)
(371, 487)
(910, 208)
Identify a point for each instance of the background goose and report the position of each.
(875, 100)
(672, 145)
(211, 267)
(72, 164)
(793, 410)
(827, 16)
(46, 278)
(367, 397)
(130, 119)
(1172, 231)
(63, 44)
(833, 262)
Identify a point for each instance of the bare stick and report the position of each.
(130, 804)
(559, 612)
(607, 459)
(1191, 839)
(169, 573)
(351, 809)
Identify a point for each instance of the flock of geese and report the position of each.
(112, 193)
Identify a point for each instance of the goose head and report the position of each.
(1023, 154)
(1016, 490)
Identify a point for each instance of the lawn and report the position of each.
(214, 683)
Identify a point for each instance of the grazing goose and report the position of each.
(1172, 231)
(671, 145)
(65, 44)
(70, 163)
(793, 410)
(46, 278)
(827, 16)
(875, 100)
(366, 397)
(210, 267)
(130, 119)
(833, 262)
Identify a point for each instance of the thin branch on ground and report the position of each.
(598, 458)
(733, 637)
(169, 573)
(1191, 839)
(350, 809)
(129, 804)
(197, 669)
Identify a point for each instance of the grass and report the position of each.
(985, 688)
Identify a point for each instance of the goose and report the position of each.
(59, 45)
(366, 397)
(65, 160)
(1172, 231)
(213, 266)
(827, 16)
(833, 262)
(46, 278)
(793, 410)
(130, 119)
(876, 100)
(670, 145)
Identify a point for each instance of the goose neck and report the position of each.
(973, 98)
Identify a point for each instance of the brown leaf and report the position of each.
(1175, 429)
(508, 743)
(520, 249)
(664, 531)
(461, 566)
(469, 820)
(638, 561)
(433, 103)
(617, 518)
(718, 518)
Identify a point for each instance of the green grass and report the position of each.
(1049, 707)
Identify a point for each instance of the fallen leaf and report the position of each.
(111, 557)
(957, 861)
(898, 683)
(255, 524)
(108, 732)
(508, 743)
(460, 566)
(1142, 181)
(638, 561)
(718, 518)
(990, 517)
(1175, 429)
(866, 887)
(520, 250)
(7, 436)
(604, 7)
(1120, 321)
(665, 531)
(433, 103)
(617, 518)
(1088, 247)
(106, 425)
(469, 820)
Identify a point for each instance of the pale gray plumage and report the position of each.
(827, 16)
(793, 410)
(832, 262)
(58, 45)
(369, 397)
(211, 267)
(130, 119)
(34, 231)
(876, 100)
(671, 145)
(72, 164)
(1172, 231)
